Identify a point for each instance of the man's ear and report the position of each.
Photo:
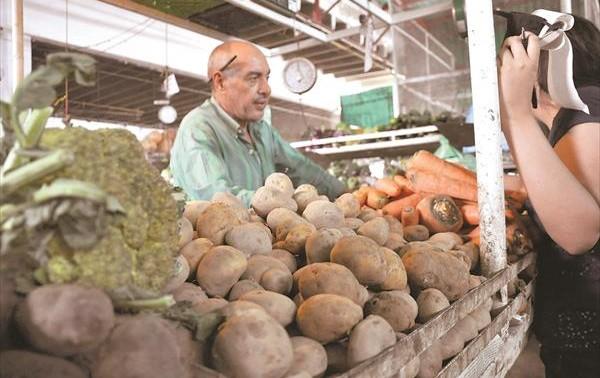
(217, 80)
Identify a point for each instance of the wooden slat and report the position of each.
(391, 360)
(472, 350)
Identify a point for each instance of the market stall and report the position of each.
(425, 267)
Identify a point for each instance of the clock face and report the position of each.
(167, 114)
(299, 75)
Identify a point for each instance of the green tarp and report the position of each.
(368, 109)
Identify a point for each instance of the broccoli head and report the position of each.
(135, 255)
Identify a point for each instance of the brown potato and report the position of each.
(363, 257)
(472, 250)
(189, 292)
(26, 364)
(395, 242)
(250, 238)
(295, 240)
(395, 224)
(309, 357)
(327, 317)
(280, 307)
(353, 223)
(377, 229)
(186, 232)
(181, 272)
(282, 215)
(329, 278)
(451, 343)
(369, 338)
(416, 233)
(397, 307)
(320, 243)
(430, 361)
(285, 257)
(349, 205)
(266, 199)
(220, 269)
(324, 214)
(193, 253)
(396, 274)
(446, 240)
(267, 349)
(305, 194)
(209, 305)
(193, 209)
(270, 273)
(214, 222)
(280, 182)
(430, 302)
(245, 308)
(242, 287)
(366, 214)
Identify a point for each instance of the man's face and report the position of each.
(244, 90)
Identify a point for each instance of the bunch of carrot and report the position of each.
(426, 175)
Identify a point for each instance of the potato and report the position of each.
(26, 364)
(139, 346)
(377, 229)
(347, 231)
(353, 223)
(396, 274)
(475, 281)
(270, 273)
(252, 346)
(305, 194)
(366, 214)
(320, 243)
(228, 199)
(397, 307)
(415, 246)
(324, 214)
(430, 302)
(189, 292)
(337, 361)
(436, 269)
(394, 223)
(451, 343)
(329, 278)
(472, 251)
(181, 272)
(395, 242)
(193, 209)
(65, 319)
(266, 199)
(214, 222)
(462, 257)
(242, 287)
(446, 240)
(430, 361)
(209, 305)
(363, 257)
(220, 269)
(298, 299)
(282, 215)
(245, 308)
(467, 327)
(411, 369)
(186, 232)
(250, 238)
(285, 257)
(416, 232)
(295, 240)
(369, 338)
(280, 307)
(281, 182)
(349, 205)
(193, 253)
(309, 357)
(327, 317)
(482, 317)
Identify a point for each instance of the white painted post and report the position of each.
(565, 6)
(18, 66)
(484, 86)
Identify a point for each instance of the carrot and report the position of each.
(376, 199)
(409, 216)
(404, 184)
(517, 198)
(475, 235)
(388, 186)
(439, 213)
(426, 161)
(395, 208)
(470, 214)
(361, 194)
(427, 181)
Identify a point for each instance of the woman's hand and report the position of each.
(518, 75)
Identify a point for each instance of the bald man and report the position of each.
(225, 145)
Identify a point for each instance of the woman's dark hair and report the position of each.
(585, 39)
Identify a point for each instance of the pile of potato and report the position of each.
(304, 287)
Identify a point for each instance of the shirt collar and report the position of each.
(229, 121)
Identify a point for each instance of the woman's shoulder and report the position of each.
(566, 119)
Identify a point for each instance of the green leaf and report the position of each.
(37, 89)
(83, 66)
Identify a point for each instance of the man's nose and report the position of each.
(264, 88)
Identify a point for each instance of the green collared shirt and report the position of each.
(211, 155)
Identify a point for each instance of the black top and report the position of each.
(567, 311)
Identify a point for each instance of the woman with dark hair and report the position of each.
(561, 174)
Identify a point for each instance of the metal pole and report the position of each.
(565, 6)
(17, 42)
(396, 95)
(484, 86)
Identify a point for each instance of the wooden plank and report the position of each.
(391, 360)
(472, 350)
